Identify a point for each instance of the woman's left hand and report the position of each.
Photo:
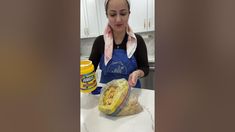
(133, 77)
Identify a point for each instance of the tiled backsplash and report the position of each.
(149, 38)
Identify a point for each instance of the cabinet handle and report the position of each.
(149, 23)
(145, 23)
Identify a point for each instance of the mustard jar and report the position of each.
(87, 76)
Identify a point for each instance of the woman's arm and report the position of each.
(97, 51)
(141, 56)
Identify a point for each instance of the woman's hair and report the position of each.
(107, 2)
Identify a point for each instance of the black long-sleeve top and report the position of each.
(140, 54)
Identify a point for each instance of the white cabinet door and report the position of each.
(92, 16)
(102, 16)
(142, 15)
(151, 15)
(89, 18)
(83, 20)
(138, 17)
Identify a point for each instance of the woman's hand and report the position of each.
(134, 76)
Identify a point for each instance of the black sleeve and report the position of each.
(97, 51)
(141, 55)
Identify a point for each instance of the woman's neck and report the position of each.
(119, 36)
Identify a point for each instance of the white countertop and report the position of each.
(92, 120)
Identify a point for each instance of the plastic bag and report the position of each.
(116, 99)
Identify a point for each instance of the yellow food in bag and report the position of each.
(112, 95)
(116, 99)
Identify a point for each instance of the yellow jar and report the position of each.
(87, 76)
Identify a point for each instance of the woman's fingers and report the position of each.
(129, 81)
(132, 79)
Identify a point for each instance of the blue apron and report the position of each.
(120, 66)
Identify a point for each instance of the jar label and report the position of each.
(88, 81)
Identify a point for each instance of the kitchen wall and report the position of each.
(149, 38)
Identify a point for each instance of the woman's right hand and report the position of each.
(134, 76)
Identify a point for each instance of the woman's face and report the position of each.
(118, 15)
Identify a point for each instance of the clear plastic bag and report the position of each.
(132, 107)
(116, 99)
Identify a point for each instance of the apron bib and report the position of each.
(120, 66)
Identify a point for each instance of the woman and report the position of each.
(119, 52)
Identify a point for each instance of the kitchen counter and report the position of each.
(92, 120)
